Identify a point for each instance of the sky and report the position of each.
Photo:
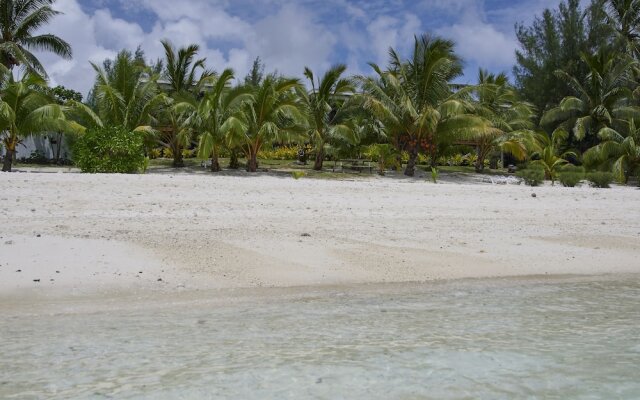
(286, 34)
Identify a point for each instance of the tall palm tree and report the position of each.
(624, 17)
(511, 118)
(327, 109)
(125, 94)
(272, 113)
(185, 77)
(415, 102)
(26, 110)
(19, 20)
(601, 100)
(215, 115)
(617, 153)
(185, 74)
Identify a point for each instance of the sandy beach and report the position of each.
(83, 234)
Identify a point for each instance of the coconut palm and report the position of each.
(185, 76)
(547, 152)
(215, 116)
(414, 100)
(19, 20)
(624, 17)
(386, 156)
(125, 94)
(601, 100)
(497, 101)
(26, 110)
(617, 153)
(327, 109)
(271, 113)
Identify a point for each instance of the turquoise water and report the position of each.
(491, 339)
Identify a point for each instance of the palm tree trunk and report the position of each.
(233, 161)
(178, 162)
(410, 170)
(480, 161)
(215, 163)
(252, 161)
(433, 154)
(8, 160)
(319, 159)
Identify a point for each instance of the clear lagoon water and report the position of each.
(558, 338)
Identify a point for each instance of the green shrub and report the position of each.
(280, 153)
(186, 153)
(532, 176)
(155, 153)
(571, 175)
(600, 179)
(111, 149)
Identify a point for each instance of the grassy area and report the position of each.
(287, 166)
(466, 170)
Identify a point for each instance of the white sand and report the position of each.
(204, 231)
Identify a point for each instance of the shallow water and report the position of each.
(491, 339)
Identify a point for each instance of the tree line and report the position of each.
(574, 100)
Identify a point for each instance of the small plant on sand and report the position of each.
(434, 174)
(298, 174)
(571, 175)
(385, 155)
(532, 176)
(112, 149)
(600, 179)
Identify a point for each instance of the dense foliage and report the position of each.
(113, 149)
(571, 112)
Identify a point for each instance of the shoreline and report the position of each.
(38, 303)
(188, 232)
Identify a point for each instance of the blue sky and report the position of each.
(286, 34)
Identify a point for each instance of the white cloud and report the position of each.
(290, 40)
(287, 40)
(482, 44)
(289, 35)
(386, 32)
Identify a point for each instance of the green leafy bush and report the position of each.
(532, 176)
(571, 175)
(111, 149)
(600, 179)
(280, 153)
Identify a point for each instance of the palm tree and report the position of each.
(327, 109)
(547, 153)
(386, 155)
(186, 76)
(26, 110)
(272, 113)
(617, 153)
(19, 20)
(215, 116)
(498, 102)
(125, 94)
(601, 100)
(624, 17)
(414, 100)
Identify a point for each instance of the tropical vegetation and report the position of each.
(571, 111)
(19, 21)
